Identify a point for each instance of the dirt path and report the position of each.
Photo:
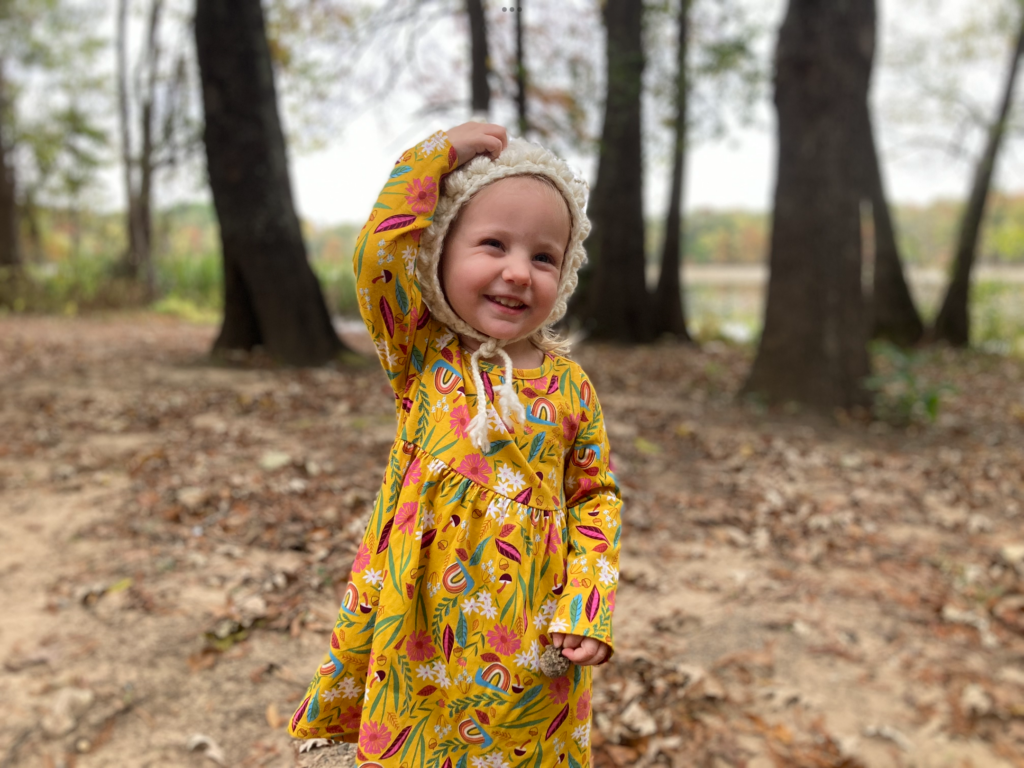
(793, 593)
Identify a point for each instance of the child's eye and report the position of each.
(490, 240)
(545, 257)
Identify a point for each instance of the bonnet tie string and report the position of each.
(509, 401)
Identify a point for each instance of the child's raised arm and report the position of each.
(385, 258)
(593, 515)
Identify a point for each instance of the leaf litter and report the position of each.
(795, 590)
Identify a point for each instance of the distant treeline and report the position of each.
(712, 236)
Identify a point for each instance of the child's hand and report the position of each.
(581, 650)
(472, 139)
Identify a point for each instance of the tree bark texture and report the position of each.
(669, 305)
(10, 249)
(271, 295)
(617, 305)
(893, 315)
(524, 126)
(480, 88)
(952, 324)
(813, 348)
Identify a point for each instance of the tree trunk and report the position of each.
(144, 202)
(669, 309)
(524, 126)
(130, 263)
(10, 249)
(271, 296)
(480, 58)
(616, 303)
(891, 309)
(813, 348)
(952, 324)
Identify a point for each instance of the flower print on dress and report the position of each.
(421, 194)
(349, 688)
(530, 657)
(374, 737)
(482, 604)
(436, 672)
(405, 518)
(362, 558)
(558, 689)
(350, 717)
(409, 257)
(384, 256)
(570, 426)
(413, 474)
(504, 640)
(581, 735)
(435, 142)
(475, 467)
(493, 760)
(583, 706)
(511, 478)
(374, 577)
(419, 646)
(609, 573)
(460, 421)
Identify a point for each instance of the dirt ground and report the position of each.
(795, 591)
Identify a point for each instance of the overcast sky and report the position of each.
(341, 182)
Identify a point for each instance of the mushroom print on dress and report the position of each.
(471, 558)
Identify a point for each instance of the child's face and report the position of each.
(503, 258)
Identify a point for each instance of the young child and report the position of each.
(496, 530)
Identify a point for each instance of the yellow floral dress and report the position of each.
(470, 558)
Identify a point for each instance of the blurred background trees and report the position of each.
(91, 92)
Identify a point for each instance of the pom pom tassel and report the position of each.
(511, 406)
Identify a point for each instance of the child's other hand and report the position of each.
(472, 139)
(584, 651)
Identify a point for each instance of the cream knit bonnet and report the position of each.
(520, 157)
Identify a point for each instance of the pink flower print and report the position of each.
(554, 540)
(504, 641)
(559, 689)
(350, 717)
(374, 737)
(362, 558)
(611, 599)
(413, 474)
(586, 484)
(405, 518)
(475, 467)
(583, 706)
(570, 425)
(460, 421)
(421, 194)
(419, 647)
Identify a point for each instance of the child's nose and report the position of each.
(517, 270)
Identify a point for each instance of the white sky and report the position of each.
(341, 182)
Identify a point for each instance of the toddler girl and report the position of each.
(496, 530)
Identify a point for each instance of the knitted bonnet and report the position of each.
(520, 157)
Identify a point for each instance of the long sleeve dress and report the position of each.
(470, 558)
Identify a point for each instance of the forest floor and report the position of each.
(795, 591)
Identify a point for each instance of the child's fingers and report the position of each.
(571, 641)
(590, 651)
(557, 638)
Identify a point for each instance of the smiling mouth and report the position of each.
(507, 302)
